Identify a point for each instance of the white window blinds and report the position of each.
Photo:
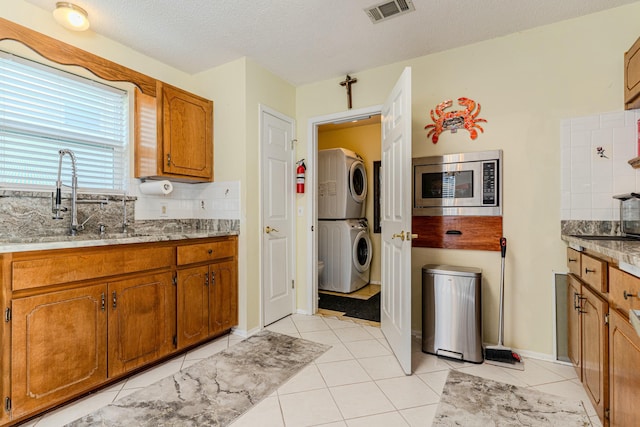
(43, 109)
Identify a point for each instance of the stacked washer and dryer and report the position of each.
(344, 246)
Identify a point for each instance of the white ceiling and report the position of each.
(305, 41)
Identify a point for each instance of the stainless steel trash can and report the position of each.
(452, 312)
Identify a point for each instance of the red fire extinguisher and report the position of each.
(300, 176)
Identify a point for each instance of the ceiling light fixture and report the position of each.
(71, 16)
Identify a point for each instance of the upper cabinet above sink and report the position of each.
(632, 77)
(174, 135)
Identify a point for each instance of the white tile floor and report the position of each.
(356, 383)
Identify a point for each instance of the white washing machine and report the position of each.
(345, 249)
(342, 184)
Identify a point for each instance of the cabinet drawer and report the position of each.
(189, 254)
(594, 272)
(573, 261)
(71, 266)
(619, 283)
(457, 232)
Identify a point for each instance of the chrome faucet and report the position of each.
(74, 192)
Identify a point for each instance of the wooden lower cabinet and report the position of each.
(595, 352)
(141, 321)
(207, 301)
(223, 297)
(624, 375)
(193, 305)
(574, 329)
(58, 348)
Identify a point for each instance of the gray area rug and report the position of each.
(214, 391)
(470, 401)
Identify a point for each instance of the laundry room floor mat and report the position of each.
(365, 292)
(352, 307)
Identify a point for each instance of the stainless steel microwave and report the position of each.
(458, 184)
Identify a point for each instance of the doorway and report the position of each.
(350, 280)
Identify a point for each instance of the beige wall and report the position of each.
(526, 83)
(364, 140)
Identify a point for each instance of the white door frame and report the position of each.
(312, 197)
(262, 109)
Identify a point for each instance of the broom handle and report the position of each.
(503, 252)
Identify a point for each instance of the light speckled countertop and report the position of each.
(623, 251)
(69, 242)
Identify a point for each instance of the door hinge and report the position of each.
(102, 302)
(7, 315)
(7, 404)
(607, 413)
(175, 341)
(114, 299)
(169, 159)
(213, 278)
(293, 284)
(175, 280)
(606, 319)
(206, 279)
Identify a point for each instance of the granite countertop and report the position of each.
(88, 240)
(627, 251)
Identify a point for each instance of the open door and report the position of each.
(396, 220)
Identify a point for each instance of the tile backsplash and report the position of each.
(594, 160)
(216, 200)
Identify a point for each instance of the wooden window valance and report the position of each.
(65, 54)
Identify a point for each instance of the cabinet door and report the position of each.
(187, 133)
(595, 351)
(574, 332)
(193, 305)
(632, 77)
(624, 376)
(58, 347)
(141, 326)
(223, 297)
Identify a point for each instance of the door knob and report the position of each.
(399, 235)
(268, 229)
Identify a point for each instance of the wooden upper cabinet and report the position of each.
(632, 77)
(174, 135)
(187, 133)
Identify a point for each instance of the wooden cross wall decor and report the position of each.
(348, 81)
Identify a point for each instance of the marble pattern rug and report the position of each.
(470, 401)
(214, 391)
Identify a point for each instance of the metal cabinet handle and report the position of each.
(580, 306)
(628, 295)
(575, 301)
(268, 229)
(573, 260)
(587, 271)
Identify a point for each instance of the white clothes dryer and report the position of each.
(344, 246)
(342, 184)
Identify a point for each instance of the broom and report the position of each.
(500, 353)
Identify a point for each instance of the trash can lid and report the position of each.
(452, 270)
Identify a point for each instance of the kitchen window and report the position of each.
(43, 109)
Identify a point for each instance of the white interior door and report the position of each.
(396, 220)
(277, 182)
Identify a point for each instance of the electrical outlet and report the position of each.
(202, 205)
(300, 211)
(164, 210)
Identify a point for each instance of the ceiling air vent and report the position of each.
(387, 10)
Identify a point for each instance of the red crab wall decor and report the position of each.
(454, 120)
